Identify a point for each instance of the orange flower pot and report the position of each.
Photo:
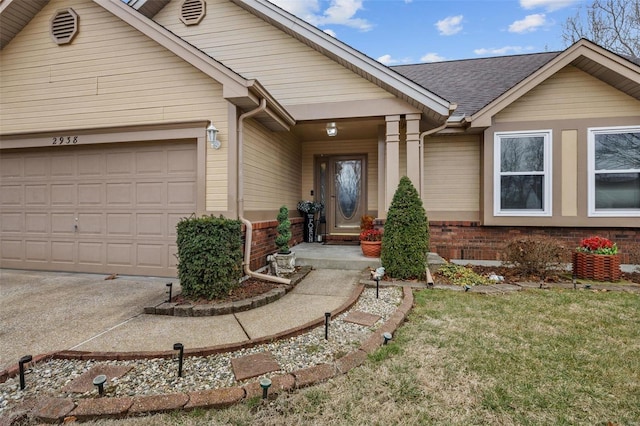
(598, 267)
(371, 248)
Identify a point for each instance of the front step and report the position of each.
(320, 256)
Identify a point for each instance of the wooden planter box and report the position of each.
(371, 248)
(598, 267)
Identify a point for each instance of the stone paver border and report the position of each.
(192, 310)
(57, 410)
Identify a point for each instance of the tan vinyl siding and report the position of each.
(271, 169)
(359, 146)
(452, 174)
(291, 71)
(570, 94)
(110, 75)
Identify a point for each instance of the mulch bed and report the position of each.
(247, 289)
(512, 276)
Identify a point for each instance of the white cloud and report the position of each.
(331, 33)
(549, 5)
(529, 24)
(301, 8)
(502, 50)
(432, 57)
(388, 60)
(339, 12)
(450, 25)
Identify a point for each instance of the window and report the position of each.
(614, 171)
(522, 177)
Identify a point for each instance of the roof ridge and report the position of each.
(557, 52)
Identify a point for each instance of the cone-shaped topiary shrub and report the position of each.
(284, 230)
(405, 242)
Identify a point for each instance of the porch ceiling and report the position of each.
(366, 128)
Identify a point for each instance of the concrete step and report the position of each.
(322, 256)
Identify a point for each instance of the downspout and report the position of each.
(248, 227)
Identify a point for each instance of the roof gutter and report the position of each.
(248, 226)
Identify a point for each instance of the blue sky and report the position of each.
(412, 31)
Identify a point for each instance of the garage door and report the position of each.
(99, 208)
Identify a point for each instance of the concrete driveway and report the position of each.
(47, 311)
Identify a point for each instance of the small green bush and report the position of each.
(537, 255)
(284, 230)
(209, 256)
(461, 275)
(405, 242)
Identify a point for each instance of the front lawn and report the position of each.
(537, 357)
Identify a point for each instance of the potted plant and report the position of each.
(285, 259)
(370, 238)
(309, 210)
(597, 259)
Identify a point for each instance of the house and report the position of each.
(107, 112)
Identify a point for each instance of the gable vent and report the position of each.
(192, 11)
(64, 26)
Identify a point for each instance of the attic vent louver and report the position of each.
(192, 11)
(64, 26)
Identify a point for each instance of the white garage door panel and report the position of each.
(105, 209)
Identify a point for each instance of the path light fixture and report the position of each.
(332, 130)
(265, 383)
(169, 287)
(179, 347)
(587, 286)
(327, 315)
(21, 362)
(573, 279)
(377, 275)
(212, 136)
(467, 287)
(99, 381)
(386, 336)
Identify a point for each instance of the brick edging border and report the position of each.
(58, 409)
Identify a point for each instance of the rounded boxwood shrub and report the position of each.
(405, 242)
(284, 231)
(209, 256)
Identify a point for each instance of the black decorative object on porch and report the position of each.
(309, 209)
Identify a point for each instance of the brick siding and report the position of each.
(264, 237)
(470, 240)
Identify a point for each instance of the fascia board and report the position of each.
(322, 41)
(584, 48)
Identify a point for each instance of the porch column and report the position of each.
(392, 159)
(413, 150)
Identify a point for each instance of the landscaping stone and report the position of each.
(256, 365)
(351, 360)
(223, 308)
(203, 310)
(165, 308)
(241, 305)
(362, 318)
(315, 374)
(54, 410)
(88, 409)
(185, 310)
(215, 398)
(158, 403)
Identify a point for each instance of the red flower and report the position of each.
(371, 235)
(598, 245)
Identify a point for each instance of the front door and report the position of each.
(341, 186)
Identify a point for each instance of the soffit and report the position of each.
(14, 15)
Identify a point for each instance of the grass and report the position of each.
(528, 358)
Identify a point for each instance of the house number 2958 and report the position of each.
(64, 140)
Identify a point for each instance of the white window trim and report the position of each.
(548, 210)
(591, 151)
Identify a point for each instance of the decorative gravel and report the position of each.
(160, 376)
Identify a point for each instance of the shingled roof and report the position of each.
(474, 83)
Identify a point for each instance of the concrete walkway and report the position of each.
(43, 312)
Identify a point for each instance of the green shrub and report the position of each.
(461, 275)
(209, 256)
(284, 230)
(405, 242)
(537, 255)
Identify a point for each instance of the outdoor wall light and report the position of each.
(332, 130)
(99, 381)
(179, 347)
(21, 362)
(265, 383)
(212, 136)
(386, 336)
